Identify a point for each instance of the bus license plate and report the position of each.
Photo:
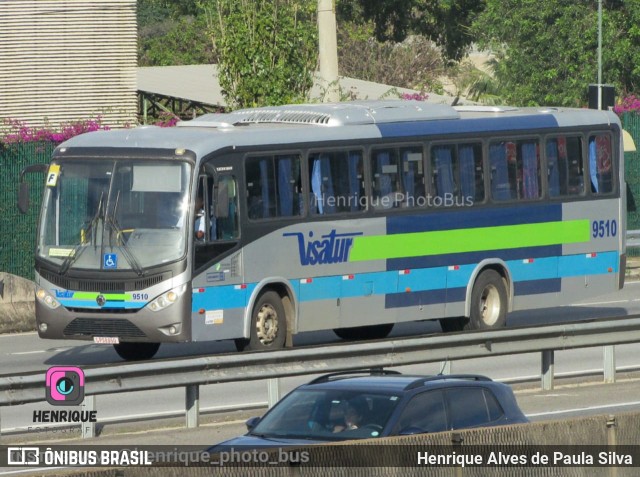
(106, 339)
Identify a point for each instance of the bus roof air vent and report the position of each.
(330, 114)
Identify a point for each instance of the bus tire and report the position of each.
(488, 302)
(373, 332)
(268, 325)
(136, 351)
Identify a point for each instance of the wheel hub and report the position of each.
(267, 324)
(490, 305)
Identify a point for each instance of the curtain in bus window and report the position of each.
(285, 186)
(467, 172)
(530, 171)
(409, 179)
(500, 187)
(444, 171)
(593, 170)
(604, 161)
(354, 181)
(264, 178)
(384, 179)
(553, 170)
(316, 186)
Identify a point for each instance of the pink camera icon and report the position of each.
(64, 386)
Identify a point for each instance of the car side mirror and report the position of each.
(222, 202)
(252, 422)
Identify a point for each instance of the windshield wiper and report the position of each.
(78, 249)
(126, 251)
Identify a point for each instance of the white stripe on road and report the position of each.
(579, 409)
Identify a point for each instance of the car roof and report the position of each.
(391, 381)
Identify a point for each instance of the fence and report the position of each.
(17, 231)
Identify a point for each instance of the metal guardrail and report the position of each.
(194, 372)
(633, 238)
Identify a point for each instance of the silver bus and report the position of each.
(263, 223)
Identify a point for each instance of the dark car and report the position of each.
(350, 405)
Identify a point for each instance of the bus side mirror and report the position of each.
(23, 190)
(23, 198)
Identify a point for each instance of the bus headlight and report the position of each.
(167, 299)
(47, 299)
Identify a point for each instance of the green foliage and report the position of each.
(446, 22)
(180, 41)
(267, 49)
(546, 50)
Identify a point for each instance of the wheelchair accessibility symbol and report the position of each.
(110, 260)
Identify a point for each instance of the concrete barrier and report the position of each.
(17, 306)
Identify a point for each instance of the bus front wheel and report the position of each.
(136, 351)
(488, 302)
(268, 325)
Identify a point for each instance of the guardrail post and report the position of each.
(612, 440)
(273, 391)
(192, 401)
(88, 428)
(609, 364)
(547, 369)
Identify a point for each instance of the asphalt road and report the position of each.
(26, 352)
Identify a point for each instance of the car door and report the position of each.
(469, 406)
(425, 412)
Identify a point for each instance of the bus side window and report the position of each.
(565, 170)
(336, 181)
(600, 163)
(224, 224)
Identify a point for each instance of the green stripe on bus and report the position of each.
(419, 244)
(108, 296)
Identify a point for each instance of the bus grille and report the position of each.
(103, 327)
(89, 285)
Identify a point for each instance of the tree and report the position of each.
(267, 49)
(546, 49)
(445, 22)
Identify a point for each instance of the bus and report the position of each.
(350, 217)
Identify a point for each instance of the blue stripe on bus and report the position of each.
(537, 287)
(419, 128)
(465, 219)
(473, 257)
(412, 286)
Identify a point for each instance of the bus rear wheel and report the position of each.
(136, 351)
(373, 332)
(268, 325)
(488, 302)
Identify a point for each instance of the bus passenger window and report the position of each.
(515, 170)
(457, 174)
(565, 170)
(600, 163)
(273, 186)
(337, 183)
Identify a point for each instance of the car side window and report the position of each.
(471, 407)
(425, 412)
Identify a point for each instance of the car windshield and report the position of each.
(327, 415)
(95, 212)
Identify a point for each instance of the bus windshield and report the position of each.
(114, 214)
